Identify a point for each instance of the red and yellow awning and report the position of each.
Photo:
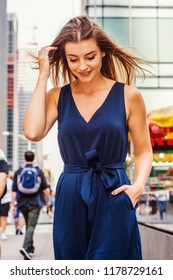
(161, 129)
(163, 117)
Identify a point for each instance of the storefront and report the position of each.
(161, 134)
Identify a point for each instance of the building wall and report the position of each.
(3, 75)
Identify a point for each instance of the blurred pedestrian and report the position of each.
(3, 173)
(3, 176)
(142, 204)
(5, 207)
(19, 221)
(95, 206)
(31, 192)
(153, 203)
(50, 211)
(163, 199)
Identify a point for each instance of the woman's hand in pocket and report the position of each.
(133, 192)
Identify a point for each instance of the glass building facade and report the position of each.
(145, 25)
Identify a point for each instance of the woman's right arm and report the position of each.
(41, 112)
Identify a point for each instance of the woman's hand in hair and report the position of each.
(43, 60)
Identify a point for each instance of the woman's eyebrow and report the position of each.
(85, 54)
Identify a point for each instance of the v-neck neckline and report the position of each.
(97, 110)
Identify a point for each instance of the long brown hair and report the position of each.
(118, 64)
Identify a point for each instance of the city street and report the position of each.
(42, 238)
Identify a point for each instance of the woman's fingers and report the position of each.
(44, 61)
(120, 189)
(130, 190)
(46, 50)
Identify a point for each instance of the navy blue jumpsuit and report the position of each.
(89, 222)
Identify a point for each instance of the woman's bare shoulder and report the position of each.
(133, 96)
(133, 99)
(53, 94)
(131, 92)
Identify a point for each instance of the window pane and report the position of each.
(148, 82)
(165, 40)
(144, 3)
(95, 12)
(165, 13)
(92, 2)
(165, 3)
(166, 82)
(144, 12)
(116, 12)
(117, 2)
(166, 69)
(144, 37)
(117, 28)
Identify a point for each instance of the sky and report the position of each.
(48, 16)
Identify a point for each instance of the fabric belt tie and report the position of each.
(108, 174)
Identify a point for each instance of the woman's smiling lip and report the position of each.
(86, 73)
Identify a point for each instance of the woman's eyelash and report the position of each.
(74, 60)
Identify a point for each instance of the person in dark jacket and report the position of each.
(29, 204)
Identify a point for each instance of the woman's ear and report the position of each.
(103, 54)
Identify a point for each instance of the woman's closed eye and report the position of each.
(73, 60)
(89, 58)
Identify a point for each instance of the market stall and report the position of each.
(161, 134)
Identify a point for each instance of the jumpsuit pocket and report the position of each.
(129, 200)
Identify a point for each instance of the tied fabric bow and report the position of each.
(108, 173)
(110, 176)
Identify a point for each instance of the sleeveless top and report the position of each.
(106, 131)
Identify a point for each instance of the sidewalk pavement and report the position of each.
(42, 241)
(154, 220)
(43, 236)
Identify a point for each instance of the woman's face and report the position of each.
(84, 59)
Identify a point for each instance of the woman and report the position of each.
(95, 204)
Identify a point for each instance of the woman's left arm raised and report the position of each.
(139, 132)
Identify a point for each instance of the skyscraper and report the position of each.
(12, 90)
(3, 74)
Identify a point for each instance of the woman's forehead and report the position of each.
(81, 47)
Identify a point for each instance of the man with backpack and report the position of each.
(31, 192)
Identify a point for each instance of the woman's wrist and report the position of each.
(43, 76)
(139, 187)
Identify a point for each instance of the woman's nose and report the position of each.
(82, 66)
